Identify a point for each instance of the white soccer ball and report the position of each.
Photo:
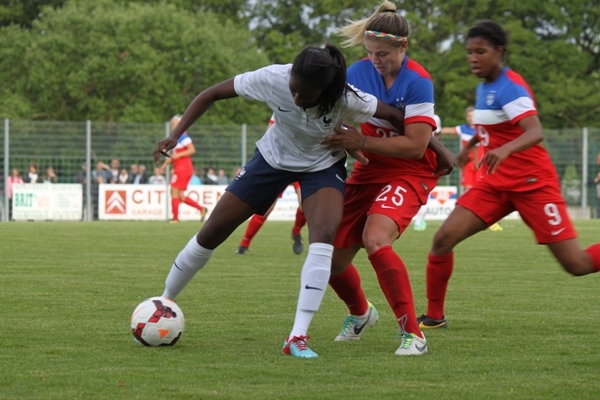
(157, 321)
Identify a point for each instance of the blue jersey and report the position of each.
(499, 107)
(465, 132)
(411, 92)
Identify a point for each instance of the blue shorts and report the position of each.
(258, 184)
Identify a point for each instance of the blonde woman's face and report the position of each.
(386, 58)
(470, 117)
(174, 124)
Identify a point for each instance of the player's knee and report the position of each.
(577, 268)
(443, 242)
(323, 234)
(372, 244)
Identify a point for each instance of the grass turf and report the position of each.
(520, 327)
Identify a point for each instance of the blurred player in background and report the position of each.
(383, 196)
(309, 98)
(518, 174)
(419, 221)
(470, 172)
(181, 158)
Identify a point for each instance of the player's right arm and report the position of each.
(448, 131)
(464, 157)
(198, 106)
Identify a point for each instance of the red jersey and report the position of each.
(411, 92)
(183, 162)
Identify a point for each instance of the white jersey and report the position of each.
(293, 143)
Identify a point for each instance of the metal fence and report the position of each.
(73, 148)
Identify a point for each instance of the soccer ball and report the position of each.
(157, 321)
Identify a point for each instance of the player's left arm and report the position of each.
(411, 145)
(532, 135)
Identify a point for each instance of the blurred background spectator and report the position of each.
(32, 175)
(196, 177)
(114, 170)
(142, 176)
(222, 178)
(123, 176)
(14, 178)
(50, 175)
(211, 177)
(101, 174)
(133, 171)
(157, 178)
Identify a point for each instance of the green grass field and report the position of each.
(520, 327)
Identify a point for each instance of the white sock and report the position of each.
(190, 260)
(313, 283)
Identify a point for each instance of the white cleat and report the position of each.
(353, 328)
(412, 345)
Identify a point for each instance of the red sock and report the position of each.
(175, 208)
(347, 286)
(256, 222)
(395, 284)
(594, 252)
(300, 221)
(439, 270)
(192, 203)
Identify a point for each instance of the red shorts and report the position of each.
(543, 209)
(400, 200)
(469, 175)
(181, 177)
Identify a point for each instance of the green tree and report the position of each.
(108, 62)
(222, 9)
(24, 12)
(556, 47)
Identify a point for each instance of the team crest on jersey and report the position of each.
(400, 105)
(489, 99)
(327, 121)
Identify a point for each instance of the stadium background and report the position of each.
(64, 146)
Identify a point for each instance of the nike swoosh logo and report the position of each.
(339, 177)
(312, 287)
(390, 207)
(282, 110)
(554, 233)
(420, 348)
(359, 329)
